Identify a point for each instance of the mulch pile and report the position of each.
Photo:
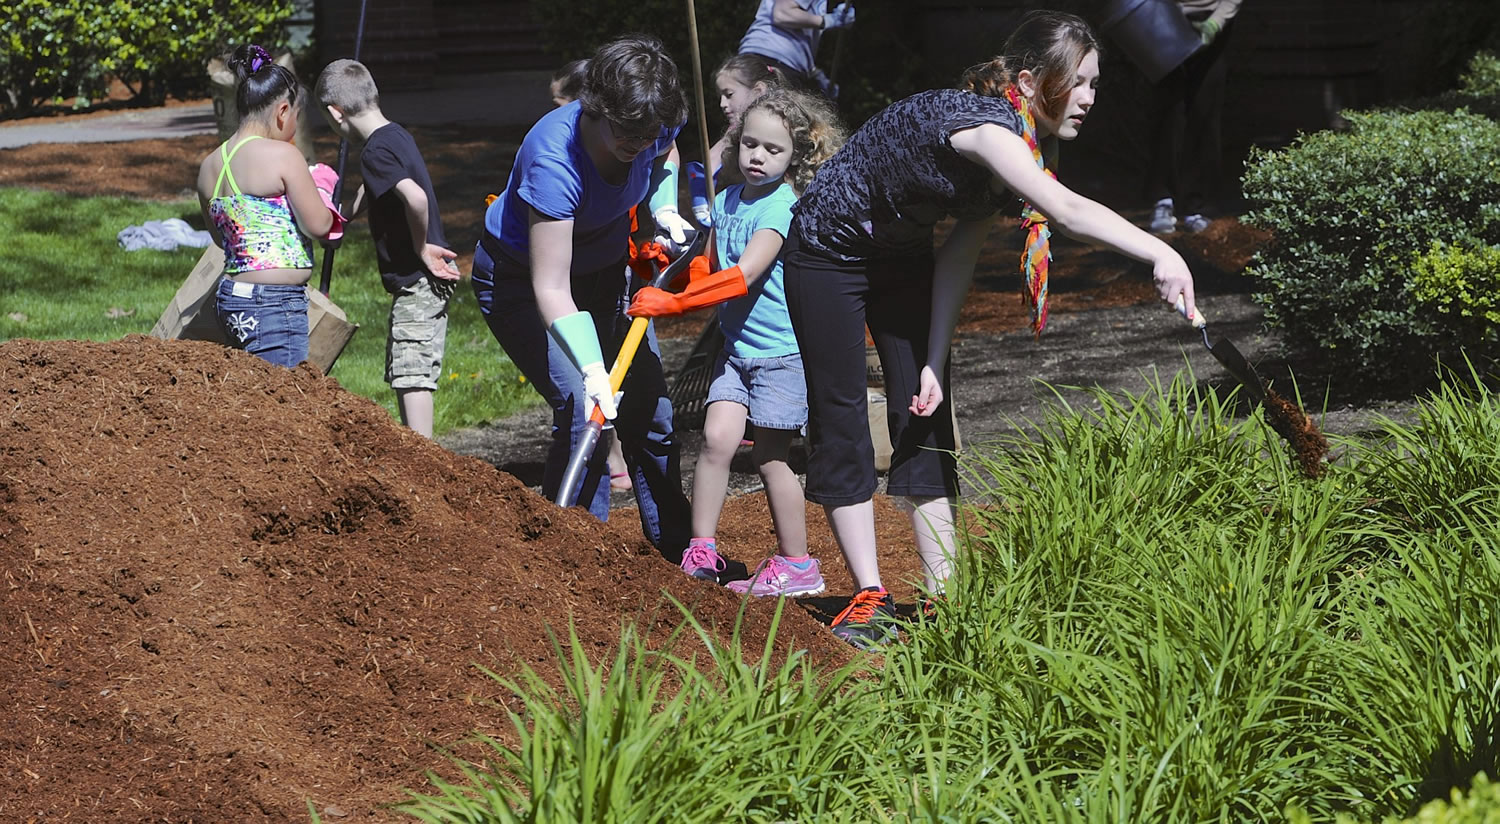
(231, 588)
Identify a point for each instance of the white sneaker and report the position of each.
(1195, 223)
(1163, 222)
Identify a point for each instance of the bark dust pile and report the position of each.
(231, 588)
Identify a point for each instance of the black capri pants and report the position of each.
(831, 301)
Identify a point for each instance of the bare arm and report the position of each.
(788, 15)
(551, 266)
(205, 186)
(313, 218)
(359, 202)
(435, 257)
(1007, 157)
(953, 273)
(760, 254)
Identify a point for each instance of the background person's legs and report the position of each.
(416, 408)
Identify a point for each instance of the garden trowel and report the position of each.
(1226, 354)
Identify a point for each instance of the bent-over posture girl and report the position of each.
(861, 251)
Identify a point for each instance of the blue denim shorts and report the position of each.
(266, 320)
(773, 389)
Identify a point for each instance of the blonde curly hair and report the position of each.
(814, 126)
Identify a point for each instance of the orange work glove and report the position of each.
(641, 257)
(697, 269)
(710, 290)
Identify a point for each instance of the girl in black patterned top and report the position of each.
(861, 252)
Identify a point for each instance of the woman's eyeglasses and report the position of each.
(632, 141)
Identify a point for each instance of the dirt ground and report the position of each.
(232, 588)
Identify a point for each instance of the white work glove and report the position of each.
(841, 17)
(596, 386)
(672, 230)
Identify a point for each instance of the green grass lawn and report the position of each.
(63, 275)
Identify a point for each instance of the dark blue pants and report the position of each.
(266, 320)
(644, 424)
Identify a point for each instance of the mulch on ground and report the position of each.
(232, 587)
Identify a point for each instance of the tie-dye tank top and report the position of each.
(259, 232)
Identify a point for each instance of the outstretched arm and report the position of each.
(1006, 155)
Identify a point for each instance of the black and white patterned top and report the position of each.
(897, 176)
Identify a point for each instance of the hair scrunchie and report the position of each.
(259, 58)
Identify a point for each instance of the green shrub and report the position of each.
(1462, 285)
(1482, 77)
(1480, 805)
(67, 48)
(51, 49)
(161, 46)
(1350, 211)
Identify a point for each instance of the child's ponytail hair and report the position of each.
(1049, 44)
(811, 121)
(750, 69)
(262, 81)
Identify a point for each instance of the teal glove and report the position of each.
(575, 334)
(1208, 30)
(663, 193)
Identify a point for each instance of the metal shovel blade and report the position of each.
(1234, 362)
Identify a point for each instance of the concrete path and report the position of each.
(177, 121)
(499, 99)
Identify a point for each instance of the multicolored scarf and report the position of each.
(1037, 256)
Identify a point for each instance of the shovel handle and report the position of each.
(1197, 317)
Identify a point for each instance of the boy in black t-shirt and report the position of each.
(416, 266)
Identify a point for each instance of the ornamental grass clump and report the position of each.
(1155, 617)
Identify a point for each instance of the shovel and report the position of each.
(1286, 418)
(578, 462)
(1228, 356)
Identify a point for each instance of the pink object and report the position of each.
(326, 179)
(776, 578)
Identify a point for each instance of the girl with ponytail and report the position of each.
(861, 252)
(264, 206)
(775, 147)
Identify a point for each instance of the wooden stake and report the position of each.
(702, 110)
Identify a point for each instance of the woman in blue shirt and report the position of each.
(547, 273)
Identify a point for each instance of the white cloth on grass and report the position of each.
(163, 236)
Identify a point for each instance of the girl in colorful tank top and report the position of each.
(264, 205)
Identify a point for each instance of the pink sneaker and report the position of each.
(776, 578)
(701, 560)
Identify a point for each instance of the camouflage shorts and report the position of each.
(419, 326)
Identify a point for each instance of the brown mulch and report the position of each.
(232, 587)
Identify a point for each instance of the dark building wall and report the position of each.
(408, 44)
(1294, 65)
